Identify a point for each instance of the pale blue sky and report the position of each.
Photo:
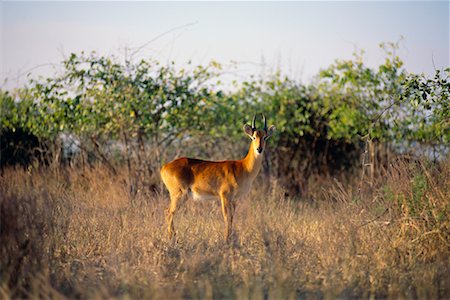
(298, 37)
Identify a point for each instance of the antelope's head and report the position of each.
(259, 137)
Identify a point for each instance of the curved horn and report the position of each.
(265, 122)
(254, 122)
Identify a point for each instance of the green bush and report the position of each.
(139, 107)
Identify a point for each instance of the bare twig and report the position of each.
(102, 156)
(137, 49)
(374, 219)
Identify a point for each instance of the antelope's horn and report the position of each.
(265, 122)
(254, 122)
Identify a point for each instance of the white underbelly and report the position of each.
(203, 197)
(240, 193)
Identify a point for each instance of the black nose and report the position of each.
(259, 149)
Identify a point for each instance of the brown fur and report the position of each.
(226, 180)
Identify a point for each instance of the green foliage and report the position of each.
(102, 99)
(419, 187)
(430, 98)
(17, 114)
(363, 94)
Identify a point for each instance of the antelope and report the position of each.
(225, 180)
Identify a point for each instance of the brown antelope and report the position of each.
(225, 180)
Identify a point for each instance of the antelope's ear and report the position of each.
(271, 131)
(248, 131)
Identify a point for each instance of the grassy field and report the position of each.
(68, 233)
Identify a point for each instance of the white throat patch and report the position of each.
(257, 153)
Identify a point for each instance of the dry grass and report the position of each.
(67, 234)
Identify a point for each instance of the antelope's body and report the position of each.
(225, 180)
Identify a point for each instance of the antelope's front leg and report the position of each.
(227, 211)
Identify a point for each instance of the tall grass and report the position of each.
(80, 235)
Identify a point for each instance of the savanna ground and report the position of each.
(78, 234)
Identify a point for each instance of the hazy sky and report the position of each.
(298, 37)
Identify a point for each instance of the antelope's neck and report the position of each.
(252, 162)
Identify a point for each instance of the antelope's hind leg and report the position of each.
(175, 196)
